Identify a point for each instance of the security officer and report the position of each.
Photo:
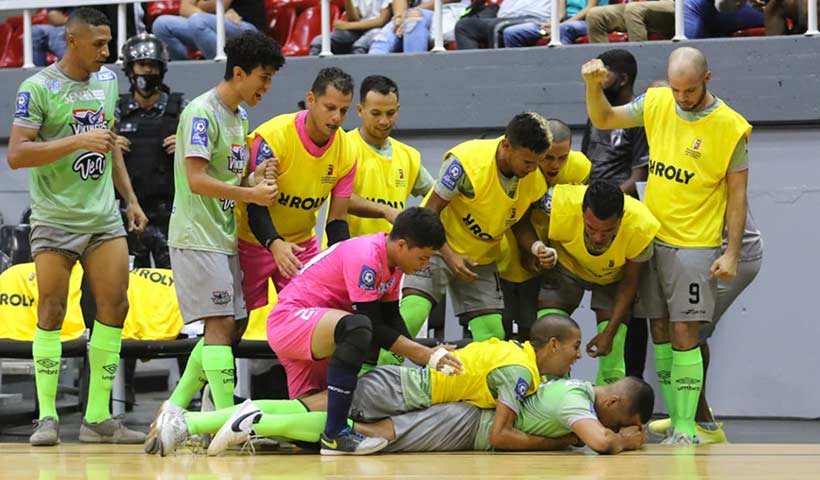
(146, 120)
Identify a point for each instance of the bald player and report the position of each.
(63, 133)
(520, 286)
(698, 174)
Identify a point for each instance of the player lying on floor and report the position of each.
(562, 412)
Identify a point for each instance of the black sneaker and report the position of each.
(351, 443)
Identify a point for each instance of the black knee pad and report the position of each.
(353, 335)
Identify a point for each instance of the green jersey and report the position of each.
(549, 412)
(74, 193)
(208, 129)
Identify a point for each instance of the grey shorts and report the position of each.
(521, 301)
(483, 293)
(562, 287)
(378, 395)
(446, 427)
(728, 291)
(208, 284)
(676, 284)
(75, 246)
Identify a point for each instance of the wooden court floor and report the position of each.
(725, 462)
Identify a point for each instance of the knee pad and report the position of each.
(353, 335)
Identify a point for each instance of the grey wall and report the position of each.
(765, 354)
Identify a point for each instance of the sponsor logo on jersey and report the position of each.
(220, 297)
(521, 388)
(23, 100)
(670, 172)
(86, 120)
(199, 131)
(105, 75)
(263, 153)
(294, 201)
(452, 175)
(227, 204)
(16, 300)
(90, 165)
(54, 85)
(397, 204)
(475, 228)
(367, 278)
(154, 276)
(384, 287)
(239, 154)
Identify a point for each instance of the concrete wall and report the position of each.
(764, 354)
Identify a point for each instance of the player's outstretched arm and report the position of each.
(196, 169)
(25, 151)
(361, 207)
(603, 440)
(503, 436)
(602, 114)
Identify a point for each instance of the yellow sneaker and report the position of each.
(710, 436)
(662, 427)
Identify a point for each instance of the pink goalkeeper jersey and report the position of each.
(348, 272)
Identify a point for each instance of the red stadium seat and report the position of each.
(281, 24)
(308, 26)
(155, 9)
(751, 32)
(13, 52)
(40, 18)
(614, 37)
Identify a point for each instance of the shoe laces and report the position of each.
(248, 446)
(357, 437)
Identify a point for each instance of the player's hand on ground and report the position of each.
(460, 265)
(724, 268)
(594, 71)
(137, 220)
(264, 193)
(284, 254)
(124, 143)
(634, 437)
(169, 143)
(600, 345)
(97, 140)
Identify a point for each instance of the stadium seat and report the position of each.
(155, 9)
(281, 23)
(751, 32)
(614, 37)
(13, 52)
(308, 26)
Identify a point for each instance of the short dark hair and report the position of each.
(420, 227)
(605, 198)
(640, 396)
(621, 61)
(379, 84)
(341, 81)
(252, 49)
(552, 325)
(560, 131)
(529, 130)
(87, 16)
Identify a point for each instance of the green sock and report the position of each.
(547, 311)
(192, 380)
(46, 350)
(414, 310)
(211, 422)
(305, 427)
(485, 327)
(103, 360)
(217, 361)
(663, 366)
(612, 367)
(687, 378)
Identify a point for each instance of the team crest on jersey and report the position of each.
(611, 264)
(546, 202)
(236, 163)
(23, 100)
(452, 175)
(220, 297)
(696, 145)
(521, 388)
(199, 131)
(401, 174)
(329, 178)
(86, 120)
(105, 76)
(263, 153)
(367, 278)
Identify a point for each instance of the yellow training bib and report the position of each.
(479, 359)
(575, 171)
(153, 312)
(686, 188)
(566, 234)
(382, 180)
(475, 226)
(304, 181)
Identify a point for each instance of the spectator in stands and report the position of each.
(50, 37)
(715, 18)
(481, 27)
(775, 13)
(409, 29)
(364, 20)
(146, 120)
(634, 18)
(195, 27)
(573, 15)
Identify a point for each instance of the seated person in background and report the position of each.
(49, 37)
(195, 27)
(573, 15)
(634, 18)
(364, 20)
(716, 18)
(475, 31)
(775, 13)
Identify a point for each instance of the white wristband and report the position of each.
(436, 357)
(536, 245)
(252, 179)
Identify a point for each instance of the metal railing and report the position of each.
(438, 35)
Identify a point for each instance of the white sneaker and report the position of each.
(152, 445)
(238, 429)
(172, 431)
(680, 439)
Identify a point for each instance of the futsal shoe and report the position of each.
(238, 429)
(711, 436)
(151, 445)
(681, 439)
(172, 431)
(111, 430)
(351, 443)
(46, 432)
(662, 427)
